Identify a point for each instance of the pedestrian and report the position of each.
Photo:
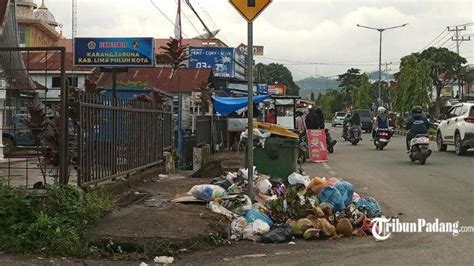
(315, 119)
(271, 116)
(300, 122)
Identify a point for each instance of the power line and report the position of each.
(428, 45)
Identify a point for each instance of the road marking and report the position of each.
(332, 172)
(326, 166)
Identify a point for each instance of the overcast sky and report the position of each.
(314, 31)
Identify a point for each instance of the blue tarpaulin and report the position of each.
(226, 105)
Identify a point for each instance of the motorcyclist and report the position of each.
(355, 122)
(346, 124)
(417, 124)
(381, 122)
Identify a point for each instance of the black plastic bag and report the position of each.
(279, 234)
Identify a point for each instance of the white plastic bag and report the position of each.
(296, 178)
(263, 184)
(237, 228)
(207, 192)
(255, 230)
(217, 208)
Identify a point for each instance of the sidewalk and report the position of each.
(157, 226)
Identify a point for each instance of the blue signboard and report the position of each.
(262, 89)
(221, 60)
(114, 52)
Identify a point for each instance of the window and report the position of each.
(56, 82)
(472, 111)
(463, 110)
(457, 111)
(22, 35)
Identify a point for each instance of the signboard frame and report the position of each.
(195, 59)
(150, 56)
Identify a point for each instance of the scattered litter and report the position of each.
(207, 192)
(161, 176)
(254, 231)
(164, 260)
(143, 264)
(291, 243)
(296, 178)
(254, 256)
(217, 208)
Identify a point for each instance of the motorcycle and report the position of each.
(382, 138)
(303, 152)
(355, 136)
(345, 133)
(329, 141)
(420, 149)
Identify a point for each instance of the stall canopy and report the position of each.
(226, 105)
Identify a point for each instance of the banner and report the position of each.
(220, 59)
(317, 146)
(114, 52)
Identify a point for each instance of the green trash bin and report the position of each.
(278, 159)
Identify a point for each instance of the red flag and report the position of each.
(178, 35)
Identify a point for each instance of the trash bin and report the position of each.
(278, 158)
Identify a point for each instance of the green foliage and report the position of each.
(361, 98)
(52, 223)
(278, 73)
(349, 82)
(312, 96)
(295, 209)
(332, 102)
(414, 83)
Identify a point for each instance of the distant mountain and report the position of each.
(375, 76)
(316, 85)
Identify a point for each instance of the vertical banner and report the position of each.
(317, 146)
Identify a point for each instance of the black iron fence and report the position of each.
(167, 131)
(203, 130)
(119, 137)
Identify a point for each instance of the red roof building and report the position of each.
(184, 81)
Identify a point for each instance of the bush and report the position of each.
(53, 222)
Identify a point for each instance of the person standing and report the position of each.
(300, 122)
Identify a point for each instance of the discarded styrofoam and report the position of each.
(164, 260)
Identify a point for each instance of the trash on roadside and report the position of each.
(278, 234)
(238, 204)
(254, 214)
(237, 228)
(296, 178)
(164, 260)
(255, 230)
(217, 208)
(207, 192)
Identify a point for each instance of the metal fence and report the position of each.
(220, 131)
(118, 138)
(25, 80)
(167, 131)
(203, 130)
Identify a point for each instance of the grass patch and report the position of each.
(51, 221)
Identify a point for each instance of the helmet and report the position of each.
(417, 110)
(381, 109)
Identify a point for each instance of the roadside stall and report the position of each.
(285, 108)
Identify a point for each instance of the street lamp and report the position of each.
(380, 30)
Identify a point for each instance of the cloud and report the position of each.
(298, 30)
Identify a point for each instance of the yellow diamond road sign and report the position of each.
(250, 9)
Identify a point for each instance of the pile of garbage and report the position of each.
(304, 207)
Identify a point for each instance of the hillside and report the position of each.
(316, 85)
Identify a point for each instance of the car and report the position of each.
(457, 128)
(338, 119)
(365, 119)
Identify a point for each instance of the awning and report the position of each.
(226, 105)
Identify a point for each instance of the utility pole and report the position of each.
(381, 30)
(459, 40)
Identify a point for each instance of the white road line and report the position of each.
(332, 172)
(326, 166)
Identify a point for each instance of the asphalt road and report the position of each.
(443, 189)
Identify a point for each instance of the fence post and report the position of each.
(63, 150)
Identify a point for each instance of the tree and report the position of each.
(349, 81)
(446, 67)
(312, 96)
(414, 83)
(361, 97)
(276, 73)
(176, 54)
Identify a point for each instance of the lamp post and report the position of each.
(380, 30)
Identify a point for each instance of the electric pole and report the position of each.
(459, 39)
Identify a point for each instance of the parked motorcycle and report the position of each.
(329, 141)
(420, 149)
(382, 138)
(345, 133)
(355, 135)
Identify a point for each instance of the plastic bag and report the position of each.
(332, 196)
(347, 192)
(332, 181)
(245, 172)
(217, 208)
(207, 192)
(316, 185)
(279, 234)
(369, 206)
(254, 231)
(254, 214)
(296, 178)
(237, 228)
(263, 184)
(238, 204)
